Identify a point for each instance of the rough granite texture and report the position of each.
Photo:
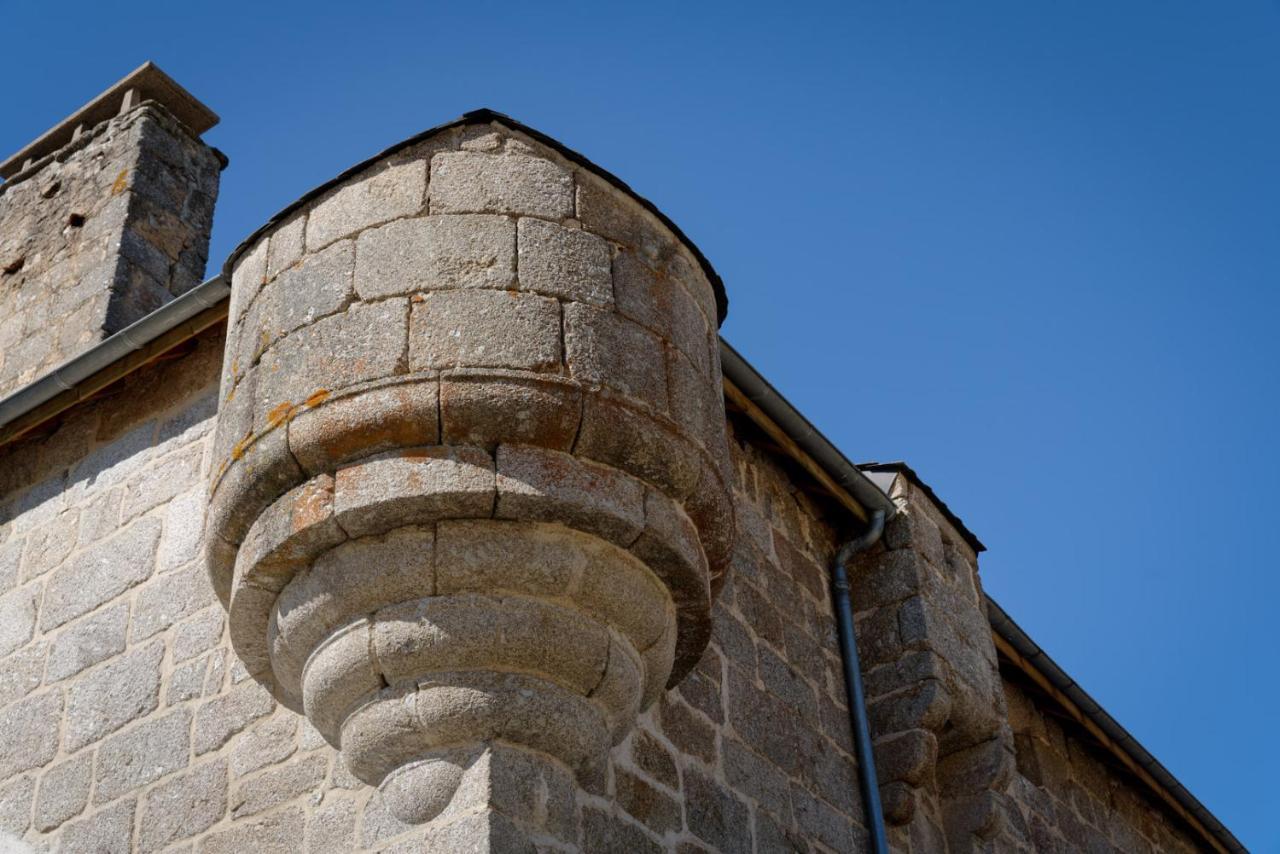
(421, 501)
(109, 229)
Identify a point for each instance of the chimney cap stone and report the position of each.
(145, 83)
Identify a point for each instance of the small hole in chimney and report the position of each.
(14, 267)
(52, 190)
(75, 220)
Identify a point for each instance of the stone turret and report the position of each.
(468, 497)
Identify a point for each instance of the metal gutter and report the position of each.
(66, 381)
(760, 394)
(1025, 653)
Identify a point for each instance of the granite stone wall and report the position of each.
(131, 724)
(99, 234)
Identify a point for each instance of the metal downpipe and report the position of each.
(853, 681)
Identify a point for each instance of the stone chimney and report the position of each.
(102, 219)
(469, 495)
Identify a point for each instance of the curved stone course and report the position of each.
(469, 479)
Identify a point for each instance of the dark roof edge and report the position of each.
(757, 389)
(910, 474)
(485, 116)
(1004, 626)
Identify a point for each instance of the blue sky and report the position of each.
(1030, 248)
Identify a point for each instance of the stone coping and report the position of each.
(145, 83)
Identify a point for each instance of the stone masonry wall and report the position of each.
(131, 725)
(1070, 795)
(99, 234)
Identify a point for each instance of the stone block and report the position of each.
(332, 826)
(603, 348)
(95, 638)
(690, 733)
(286, 245)
(414, 487)
(320, 286)
(112, 695)
(381, 193)
(161, 481)
(715, 815)
(183, 531)
(353, 579)
(278, 785)
(48, 546)
(347, 427)
(365, 342)
(652, 757)
(287, 536)
(605, 210)
(650, 806)
(603, 831)
(487, 407)
(164, 600)
(222, 717)
(110, 829)
(278, 833)
(476, 182)
(29, 741)
(17, 618)
(138, 756)
(657, 301)
(16, 797)
(184, 806)
(479, 329)
(200, 633)
(566, 263)
(100, 573)
(436, 253)
(267, 742)
(467, 631)
(20, 671)
(535, 484)
(248, 277)
(340, 671)
(263, 471)
(64, 791)
(629, 438)
(487, 556)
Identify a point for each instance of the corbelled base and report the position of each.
(424, 606)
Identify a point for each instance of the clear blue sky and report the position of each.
(1030, 248)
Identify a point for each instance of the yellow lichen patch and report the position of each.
(317, 397)
(122, 181)
(243, 445)
(280, 414)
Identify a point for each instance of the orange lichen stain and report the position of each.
(243, 445)
(317, 397)
(417, 298)
(122, 181)
(280, 414)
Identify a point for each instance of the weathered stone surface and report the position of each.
(286, 245)
(222, 717)
(64, 791)
(16, 797)
(100, 573)
(605, 349)
(278, 833)
(363, 343)
(114, 694)
(332, 826)
(183, 806)
(164, 600)
(320, 285)
(413, 487)
(381, 193)
(436, 253)
(21, 671)
(198, 634)
(17, 618)
(474, 182)
(625, 437)
(108, 829)
(183, 530)
(564, 262)
(88, 641)
(147, 752)
(277, 785)
(480, 328)
(367, 421)
(548, 486)
(267, 742)
(487, 407)
(160, 482)
(29, 742)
